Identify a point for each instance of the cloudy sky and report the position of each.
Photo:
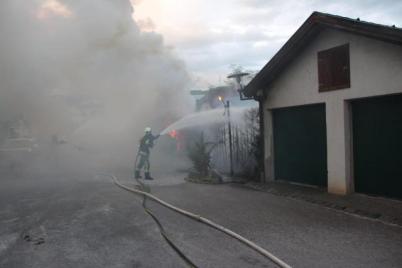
(210, 35)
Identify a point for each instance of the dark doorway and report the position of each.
(300, 144)
(377, 145)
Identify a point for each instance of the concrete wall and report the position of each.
(375, 69)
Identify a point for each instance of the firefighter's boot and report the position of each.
(148, 176)
(137, 174)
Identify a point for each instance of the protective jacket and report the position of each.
(147, 142)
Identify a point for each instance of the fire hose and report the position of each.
(203, 220)
(160, 226)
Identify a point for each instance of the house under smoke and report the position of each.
(209, 99)
(332, 104)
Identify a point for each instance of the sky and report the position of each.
(212, 35)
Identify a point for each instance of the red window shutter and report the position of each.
(333, 68)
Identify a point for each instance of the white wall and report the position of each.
(375, 69)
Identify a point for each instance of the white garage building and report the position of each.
(332, 105)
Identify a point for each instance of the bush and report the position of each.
(200, 155)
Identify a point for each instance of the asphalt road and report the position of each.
(86, 221)
(300, 233)
(77, 222)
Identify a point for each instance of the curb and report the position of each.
(349, 210)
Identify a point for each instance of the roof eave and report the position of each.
(312, 26)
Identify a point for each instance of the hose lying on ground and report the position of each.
(163, 232)
(145, 188)
(206, 221)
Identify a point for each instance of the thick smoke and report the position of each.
(84, 71)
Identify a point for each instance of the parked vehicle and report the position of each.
(15, 152)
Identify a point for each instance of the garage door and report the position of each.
(300, 144)
(377, 145)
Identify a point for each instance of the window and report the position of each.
(334, 68)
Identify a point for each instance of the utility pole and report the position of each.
(227, 106)
(227, 113)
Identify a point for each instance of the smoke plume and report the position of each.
(84, 71)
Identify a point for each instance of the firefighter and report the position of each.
(146, 143)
